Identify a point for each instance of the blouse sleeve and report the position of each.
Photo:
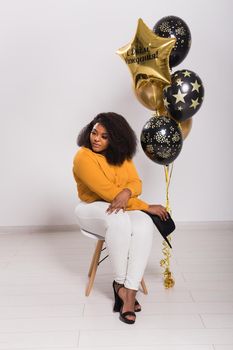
(88, 171)
(134, 183)
(136, 204)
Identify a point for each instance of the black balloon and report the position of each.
(161, 139)
(184, 96)
(175, 27)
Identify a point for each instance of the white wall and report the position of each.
(58, 69)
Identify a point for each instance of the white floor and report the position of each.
(42, 302)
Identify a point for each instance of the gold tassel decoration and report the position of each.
(165, 262)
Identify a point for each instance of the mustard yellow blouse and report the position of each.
(98, 180)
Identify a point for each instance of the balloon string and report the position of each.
(168, 175)
(165, 262)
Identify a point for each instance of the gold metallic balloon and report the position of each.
(147, 57)
(150, 94)
(186, 127)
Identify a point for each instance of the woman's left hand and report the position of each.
(120, 201)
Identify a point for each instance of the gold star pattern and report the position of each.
(179, 96)
(186, 73)
(196, 86)
(179, 82)
(165, 101)
(180, 108)
(194, 104)
(147, 55)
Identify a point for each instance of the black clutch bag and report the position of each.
(164, 227)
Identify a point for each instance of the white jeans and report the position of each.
(128, 236)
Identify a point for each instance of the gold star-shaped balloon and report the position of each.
(147, 56)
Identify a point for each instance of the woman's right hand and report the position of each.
(159, 210)
(120, 201)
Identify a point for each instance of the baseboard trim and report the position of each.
(205, 225)
(38, 229)
(197, 225)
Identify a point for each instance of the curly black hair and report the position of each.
(122, 138)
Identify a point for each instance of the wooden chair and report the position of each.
(96, 261)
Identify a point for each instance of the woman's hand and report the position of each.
(159, 210)
(120, 201)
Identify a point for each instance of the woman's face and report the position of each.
(99, 138)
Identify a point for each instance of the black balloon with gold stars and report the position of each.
(175, 27)
(161, 139)
(184, 96)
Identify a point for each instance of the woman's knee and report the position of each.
(141, 222)
(94, 209)
(120, 223)
(92, 217)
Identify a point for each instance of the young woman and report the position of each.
(108, 187)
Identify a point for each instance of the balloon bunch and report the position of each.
(174, 98)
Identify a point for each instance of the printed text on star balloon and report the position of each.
(137, 51)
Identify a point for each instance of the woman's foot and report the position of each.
(127, 296)
(116, 287)
(127, 314)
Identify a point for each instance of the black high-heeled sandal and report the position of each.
(123, 316)
(118, 305)
(118, 301)
(137, 304)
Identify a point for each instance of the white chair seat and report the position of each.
(92, 235)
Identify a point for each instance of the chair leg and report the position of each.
(93, 266)
(143, 284)
(96, 252)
